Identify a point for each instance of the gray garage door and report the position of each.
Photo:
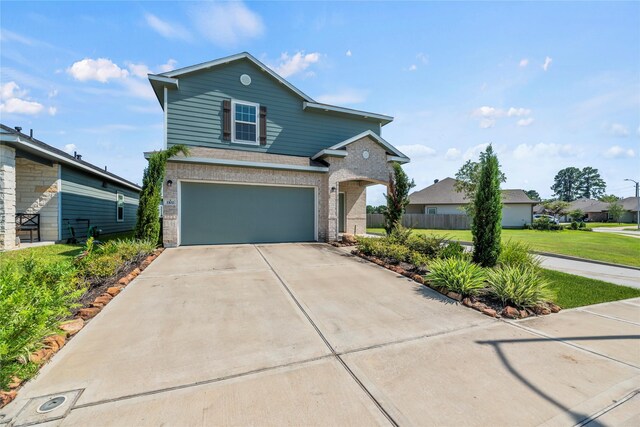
(230, 213)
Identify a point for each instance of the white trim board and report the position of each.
(248, 164)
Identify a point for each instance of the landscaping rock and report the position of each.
(378, 261)
(467, 301)
(114, 290)
(524, 313)
(88, 312)
(511, 312)
(103, 299)
(541, 310)
(349, 239)
(54, 342)
(479, 305)
(418, 278)
(124, 281)
(135, 272)
(15, 382)
(72, 327)
(443, 291)
(41, 355)
(554, 308)
(454, 295)
(6, 397)
(489, 312)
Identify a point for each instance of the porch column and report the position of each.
(334, 190)
(7, 197)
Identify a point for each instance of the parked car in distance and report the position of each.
(549, 217)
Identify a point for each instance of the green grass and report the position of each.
(606, 247)
(605, 224)
(576, 291)
(52, 253)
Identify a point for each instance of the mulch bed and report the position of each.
(99, 294)
(482, 303)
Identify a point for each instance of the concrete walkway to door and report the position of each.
(305, 334)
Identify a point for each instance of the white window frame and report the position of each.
(118, 196)
(235, 102)
(428, 208)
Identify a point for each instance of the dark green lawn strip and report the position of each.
(53, 253)
(576, 291)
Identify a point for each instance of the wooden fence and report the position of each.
(436, 222)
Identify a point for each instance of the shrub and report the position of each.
(427, 245)
(112, 257)
(457, 275)
(419, 260)
(34, 297)
(397, 197)
(366, 245)
(545, 224)
(516, 254)
(582, 225)
(394, 253)
(574, 225)
(520, 286)
(399, 234)
(452, 250)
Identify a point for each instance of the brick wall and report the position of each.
(37, 192)
(7, 197)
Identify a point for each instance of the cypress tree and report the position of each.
(487, 220)
(397, 197)
(148, 216)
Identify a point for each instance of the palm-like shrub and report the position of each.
(457, 275)
(520, 286)
(427, 245)
(514, 254)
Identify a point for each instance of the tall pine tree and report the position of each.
(486, 227)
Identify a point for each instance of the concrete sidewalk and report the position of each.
(305, 334)
(618, 275)
(623, 230)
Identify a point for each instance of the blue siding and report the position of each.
(194, 113)
(84, 197)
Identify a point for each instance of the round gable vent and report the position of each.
(245, 79)
(365, 154)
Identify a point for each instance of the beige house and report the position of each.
(442, 198)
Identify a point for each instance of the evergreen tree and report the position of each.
(148, 216)
(397, 197)
(566, 184)
(533, 194)
(486, 227)
(591, 184)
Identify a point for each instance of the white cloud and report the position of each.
(53, 93)
(423, 58)
(227, 24)
(524, 62)
(518, 112)
(488, 115)
(486, 111)
(474, 152)
(346, 96)
(290, 65)
(617, 152)
(52, 111)
(525, 122)
(100, 69)
(413, 67)
(139, 70)
(14, 100)
(543, 150)
(487, 123)
(348, 53)
(70, 148)
(452, 154)
(616, 129)
(169, 66)
(165, 29)
(547, 63)
(417, 151)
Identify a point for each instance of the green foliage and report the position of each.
(533, 194)
(576, 215)
(419, 260)
(148, 216)
(518, 285)
(467, 179)
(591, 184)
(517, 253)
(572, 183)
(112, 257)
(457, 275)
(615, 211)
(609, 198)
(545, 224)
(375, 209)
(452, 250)
(34, 296)
(397, 197)
(582, 226)
(399, 234)
(574, 225)
(555, 207)
(426, 244)
(486, 227)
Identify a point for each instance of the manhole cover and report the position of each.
(51, 404)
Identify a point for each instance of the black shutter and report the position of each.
(263, 125)
(226, 120)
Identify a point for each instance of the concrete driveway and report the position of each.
(305, 334)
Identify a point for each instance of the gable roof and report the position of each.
(170, 80)
(338, 150)
(444, 193)
(38, 148)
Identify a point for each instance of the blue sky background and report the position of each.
(551, 85)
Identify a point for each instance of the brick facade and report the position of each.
(350, 174)
(37, 191)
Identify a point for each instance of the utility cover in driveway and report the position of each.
(233, 213)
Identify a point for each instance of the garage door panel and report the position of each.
(231, 213)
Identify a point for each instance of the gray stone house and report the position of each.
(267, 162)
(47, 194)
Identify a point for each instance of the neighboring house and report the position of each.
(41, 186)
(267, 162)
(597, 211)
(442, 198)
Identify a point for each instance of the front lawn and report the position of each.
(576, 291)
(606, 247)
(49, 253)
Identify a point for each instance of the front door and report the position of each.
(341, 213)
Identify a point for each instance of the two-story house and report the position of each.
(267, 162)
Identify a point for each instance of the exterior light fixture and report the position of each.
(333, 189)
(169, 183)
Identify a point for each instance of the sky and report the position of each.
(550, 85)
